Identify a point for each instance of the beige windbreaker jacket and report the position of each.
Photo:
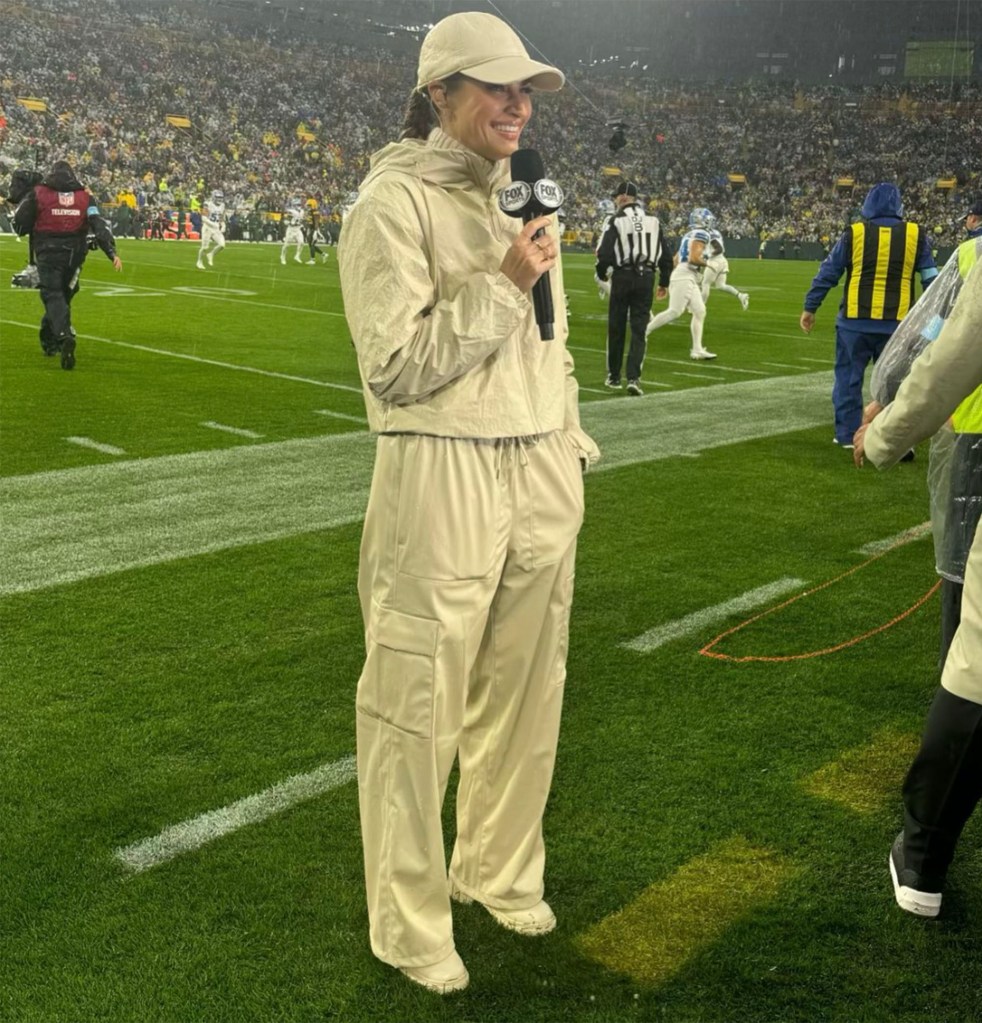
(942, 376)
(446, 344)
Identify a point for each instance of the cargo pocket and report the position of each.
(555, 498)
(396, 685)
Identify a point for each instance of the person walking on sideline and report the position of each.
(880, 255)
(58, 215)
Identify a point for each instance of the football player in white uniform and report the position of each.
(212, 228)
(293, 217)
(717, 268)
(685, 284)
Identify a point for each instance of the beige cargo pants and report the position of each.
(466, 581)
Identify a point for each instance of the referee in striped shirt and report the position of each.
(630, 248)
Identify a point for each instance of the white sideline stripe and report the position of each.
(198, 831)
(595, 390)
(695, 376)
(787, 337)
(817, 362)
(88, 442)
(339, 415)
(198, 358)
(232, 429)
(727, 369)
(66, 525)
(907, 536)
(662, 634)
(784, 365)
(236, 301)
(226, 272)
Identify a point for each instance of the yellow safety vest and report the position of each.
(967, 418)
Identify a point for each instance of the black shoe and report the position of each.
(918, 894)
(68, 352)
(614, 383)
(50, 344)
(634, 388)
(909, 457)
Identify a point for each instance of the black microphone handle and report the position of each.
(542, 295)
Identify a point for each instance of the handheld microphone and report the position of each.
(531, 194)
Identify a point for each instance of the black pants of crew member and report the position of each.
(58, 266)
(951, 615)
(630, 299)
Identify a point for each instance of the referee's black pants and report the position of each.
(630, 299)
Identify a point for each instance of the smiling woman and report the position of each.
(466, 572)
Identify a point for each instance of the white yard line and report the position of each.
(694, 376)
(88, 442)
(172, 507)
(232, 429)
(596, 390)
(899, 540)
(339, 415)
(818, 362)
(198, 358)
(198, 831)
(785, 365)
(698, 620)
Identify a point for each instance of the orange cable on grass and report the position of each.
(708, 651)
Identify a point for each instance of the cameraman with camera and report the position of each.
(58, 214)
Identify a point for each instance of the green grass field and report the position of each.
(181, 632)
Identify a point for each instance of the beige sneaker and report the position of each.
(442, 978)
(536, 920)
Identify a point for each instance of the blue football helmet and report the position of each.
(701, 217)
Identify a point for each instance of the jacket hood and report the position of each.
(62, 180)
(440, 160)
(883, 200)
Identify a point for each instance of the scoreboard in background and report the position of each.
(945, 58)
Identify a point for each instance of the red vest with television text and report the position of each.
(61, 212)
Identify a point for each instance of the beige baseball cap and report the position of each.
(484, 47)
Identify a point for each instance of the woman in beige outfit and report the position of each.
(467, 556)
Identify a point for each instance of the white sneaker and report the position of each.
(283, 260)
(201, 265)
(325, 256)
(442, 978)
(297, 259)
(536, 920)
(634, 388)
(211, 260)
(311, 262)
(702, 354)
(744, 300)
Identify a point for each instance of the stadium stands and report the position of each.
(272, 115)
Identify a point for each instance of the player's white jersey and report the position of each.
(715, 236)
(293, 217)
(697, 235)
(213, 215)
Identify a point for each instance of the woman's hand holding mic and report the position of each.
(529, 258)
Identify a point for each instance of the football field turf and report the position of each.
(182, 641)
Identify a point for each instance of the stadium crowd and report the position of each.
(270, 116)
